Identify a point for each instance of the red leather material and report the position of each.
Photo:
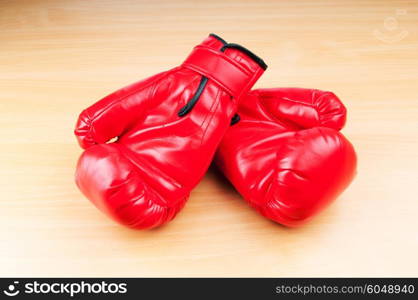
(232, 76)
(144, 178)
(286, 155)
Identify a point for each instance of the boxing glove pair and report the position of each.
(282, 151)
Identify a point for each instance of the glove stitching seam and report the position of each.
(212, 115)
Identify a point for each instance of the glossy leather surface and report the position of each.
(143, 179)
(286, 156)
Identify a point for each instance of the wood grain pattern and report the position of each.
(58, 57)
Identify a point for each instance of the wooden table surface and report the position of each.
(58, 57)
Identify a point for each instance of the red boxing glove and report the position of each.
(168, 128)
(286, 155)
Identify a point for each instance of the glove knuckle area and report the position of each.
(332, 112)
(313, 169)
(82, 131)
(111, 182)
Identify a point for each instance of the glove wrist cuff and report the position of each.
(233, 67)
